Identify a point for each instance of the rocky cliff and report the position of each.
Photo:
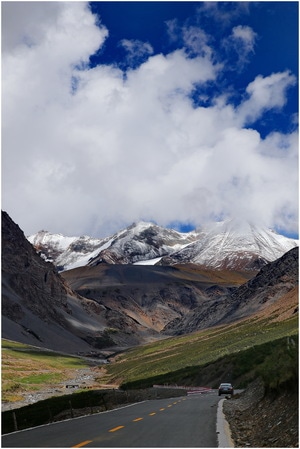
(38, 307)
(271, 285)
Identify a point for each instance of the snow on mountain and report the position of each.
(50, 246)
(140, 242)
(228, 244)
(234, 245)
(64, 251)
(148, 262)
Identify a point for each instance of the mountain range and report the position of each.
(138, 242)
(103, 306)
(230, 244)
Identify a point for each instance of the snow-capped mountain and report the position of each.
(229, 244)
(142, 242)
(232, 244)
(110, 307)
(139, 243)
(64, 251)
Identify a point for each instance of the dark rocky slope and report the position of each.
(104, 306)
(146, 298)
(38, 307)
(258, 419)
(271, 284)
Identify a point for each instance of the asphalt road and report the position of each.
(180, 422)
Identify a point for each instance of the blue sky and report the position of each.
(174, 112)
(275, 46)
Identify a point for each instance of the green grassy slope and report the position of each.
(217, 352)
(27, 369)
(197, 349)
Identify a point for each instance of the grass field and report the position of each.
(197, 349)
(27, 369)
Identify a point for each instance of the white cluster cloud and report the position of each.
(222, 12)
(246, 35)
(265, 94)
(136, 50)
(242, 42)
(88, 150)
(194, 39)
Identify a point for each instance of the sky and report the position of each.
(180, 113)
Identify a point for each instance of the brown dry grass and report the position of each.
(25, 369)
(220, 277)
(283, 308)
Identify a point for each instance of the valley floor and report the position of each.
(255, 420)
(84, 378)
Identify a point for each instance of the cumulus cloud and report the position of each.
(196, 40)
(137, 51)
(265, 93)
(223, 13)
(193, 38)
(241, 42)
(88, 150)
(26, 22)
(246, 35)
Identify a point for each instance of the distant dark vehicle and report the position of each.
(225, 389)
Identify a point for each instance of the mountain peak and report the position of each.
(232, 243)
(236, 225)
(141, 225)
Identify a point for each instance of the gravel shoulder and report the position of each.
(260, 420)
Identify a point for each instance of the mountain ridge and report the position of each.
(40, 308)
(271, 284)
(110, 307)
(230, 244)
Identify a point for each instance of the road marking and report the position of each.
(137, 419)
(174, 403)
(84, 443)
(161, 409)
(116, 428)
(152, 414)
(170, 405)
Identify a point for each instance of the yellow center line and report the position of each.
(84, 443)
(137, 419)
(116, 428)
(170, 405)
(161, 409)
(152, 414)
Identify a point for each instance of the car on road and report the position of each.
(225, 388)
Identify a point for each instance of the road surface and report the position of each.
(188, 421)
